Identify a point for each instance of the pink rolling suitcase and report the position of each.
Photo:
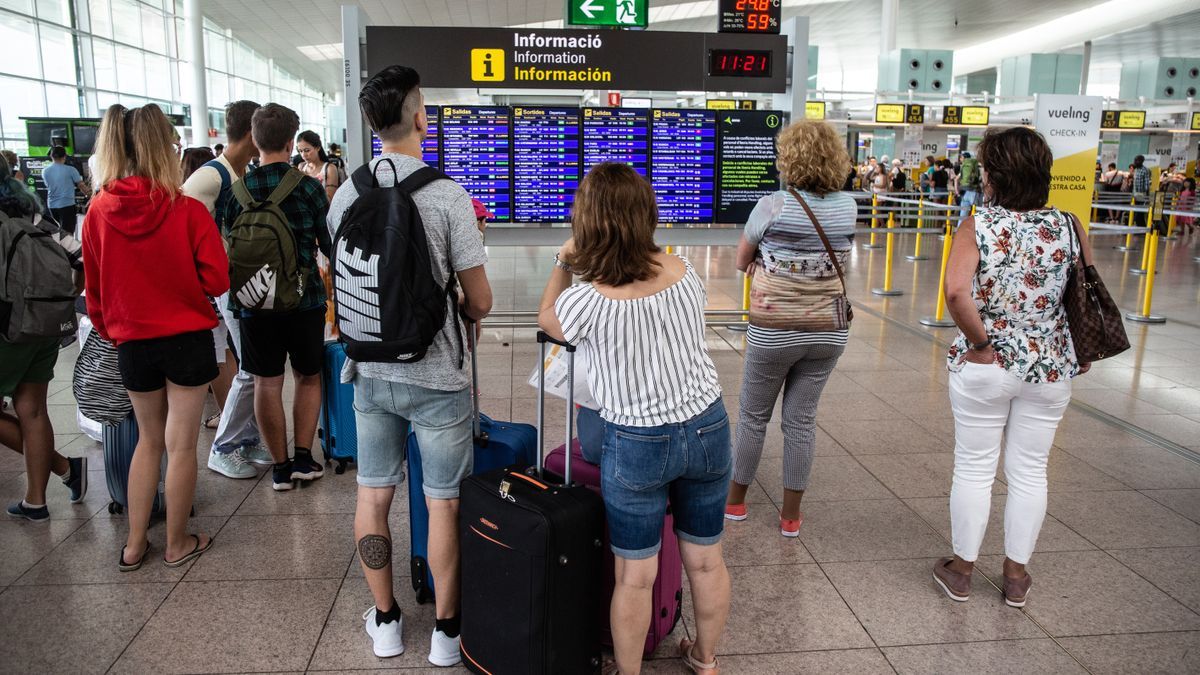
(668, 585)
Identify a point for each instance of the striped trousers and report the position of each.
(801, 371)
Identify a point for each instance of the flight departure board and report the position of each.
(429, 146)
(545, 163)
(616, 135)
(683, 148)
(746, 161)
(477, 154)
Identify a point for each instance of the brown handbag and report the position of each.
(1097, 329)
(783, 302)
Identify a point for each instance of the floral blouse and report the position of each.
(1024, 261)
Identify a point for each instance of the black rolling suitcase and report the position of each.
(532, 565)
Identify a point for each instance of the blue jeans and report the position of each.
(688, 463)
(441, 421)
(969, 198)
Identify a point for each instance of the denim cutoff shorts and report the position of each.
(642, 468)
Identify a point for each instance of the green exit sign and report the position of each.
(629, 13)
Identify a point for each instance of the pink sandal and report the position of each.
(698, 667)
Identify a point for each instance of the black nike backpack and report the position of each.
(389, 305)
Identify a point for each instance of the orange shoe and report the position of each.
(790, 528)
(735, 512)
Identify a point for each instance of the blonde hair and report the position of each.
(811, 157)
(138, 142)
(613, 222)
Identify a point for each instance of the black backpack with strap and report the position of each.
(389, 305)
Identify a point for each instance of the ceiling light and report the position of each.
(326, 52)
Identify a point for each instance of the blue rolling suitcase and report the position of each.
(338, 433)
(497, 445)
(120, 440)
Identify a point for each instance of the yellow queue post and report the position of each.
(1145, 254)
(939, 320)
(890, 248)
(1148, 293)
(1128, 222)
(874, 224)
(916, 254)
(746, 280)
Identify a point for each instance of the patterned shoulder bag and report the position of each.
(1097, 329)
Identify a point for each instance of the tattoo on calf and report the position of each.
(375, 551)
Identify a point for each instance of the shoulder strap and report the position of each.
(821, 233)
(226, 179)
(242, 194)
(420, 178)
(290, 181)
(1077, 238)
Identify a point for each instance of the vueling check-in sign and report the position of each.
(487, 65)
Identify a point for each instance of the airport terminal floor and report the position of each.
(1117, 565)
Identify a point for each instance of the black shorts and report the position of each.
(187, 360)
(268, 340)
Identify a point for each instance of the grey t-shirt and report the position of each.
(450, 226)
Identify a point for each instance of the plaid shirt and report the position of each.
(305, 209)
(1141, 180)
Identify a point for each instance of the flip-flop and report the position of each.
(196, 553)
(697, 667)
(134, 566)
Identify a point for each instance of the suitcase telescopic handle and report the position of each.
(569, 348)
(476, 431)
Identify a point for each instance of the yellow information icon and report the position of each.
(487, 65)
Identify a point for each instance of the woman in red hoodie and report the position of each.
(152, 256)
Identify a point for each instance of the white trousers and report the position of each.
(990, 404)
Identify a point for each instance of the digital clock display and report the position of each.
(748, 16)
(739, 63)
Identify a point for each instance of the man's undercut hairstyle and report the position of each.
(238, 117)
(273, 126)
(390, 102)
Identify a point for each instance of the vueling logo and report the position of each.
(487, 65)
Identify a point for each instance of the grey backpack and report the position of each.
(37, 291)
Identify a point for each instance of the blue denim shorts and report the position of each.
(441, 421)
(643, 467)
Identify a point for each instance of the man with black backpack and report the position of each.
(276, 225)
(406, 357)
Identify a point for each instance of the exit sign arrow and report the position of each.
(589, 7)
(613, 13)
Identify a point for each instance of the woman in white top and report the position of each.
(1012, 364)
(641, 314)
(316, 163)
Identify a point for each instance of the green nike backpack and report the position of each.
(264, 268)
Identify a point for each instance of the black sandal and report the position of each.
(196, 553)
(134, 566)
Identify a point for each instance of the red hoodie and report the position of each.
(149, 262)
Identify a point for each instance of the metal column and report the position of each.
(193, 19)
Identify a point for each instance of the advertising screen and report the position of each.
(616, 135)
(477, 154)
(545, 163)
(746, 161)
(683, 148)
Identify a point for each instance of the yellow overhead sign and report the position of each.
(722, 104)
(1195, 121)
(1123, 119)
(889, 113)
(814, 110)
(969, 115)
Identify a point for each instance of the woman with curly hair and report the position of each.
(793, 350)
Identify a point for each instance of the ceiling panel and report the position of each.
(847, 31)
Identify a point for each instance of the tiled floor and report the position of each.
(1117, 584)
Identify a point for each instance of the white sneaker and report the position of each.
(387, 638)
(256, 454)
(443, 650)
(230, 464)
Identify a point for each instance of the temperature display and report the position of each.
(739, 63)
(748, 16)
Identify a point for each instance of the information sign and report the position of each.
(477, 154)
(748, 16)
(621, 13)
(545, 163)
(616, 135)
(1071, 126)
(966, 115)
(1127, 120)
(745, 161)
(899, 113)
(682, 164)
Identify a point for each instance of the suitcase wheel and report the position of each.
(341, 466)
(115, 508)
(424, 596)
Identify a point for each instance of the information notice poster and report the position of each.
(1071, 125)
(683, 148)
(745, 161)
(545, 163)
(477, 153)
(616, 135)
